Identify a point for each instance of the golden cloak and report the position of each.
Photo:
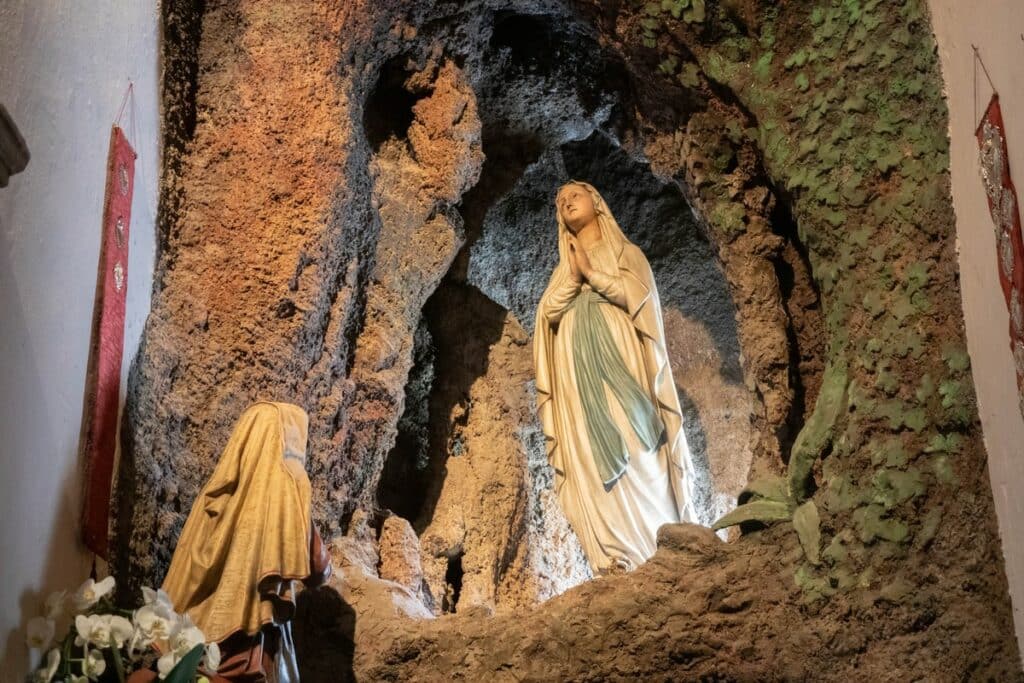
(644, 310)
(247, 538)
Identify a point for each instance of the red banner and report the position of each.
(103, 382)
(1002, 204)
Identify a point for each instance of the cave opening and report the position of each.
(801, 299)
(451, 467)
(404, 482)
(388, 111)
(530, 42)
(453, 585)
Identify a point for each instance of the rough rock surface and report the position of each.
(704, 610)
(334, 318)
(344, 185)
(492, 532)
(400, 555)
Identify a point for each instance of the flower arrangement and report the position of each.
(105, 643)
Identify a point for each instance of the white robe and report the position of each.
(617, 524)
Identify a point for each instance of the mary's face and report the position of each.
(575, 206)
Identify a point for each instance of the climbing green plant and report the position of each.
(848, 116)
(689, 11)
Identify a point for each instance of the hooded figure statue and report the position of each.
(607, 402)
(247, 541)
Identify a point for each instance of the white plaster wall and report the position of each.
(995, 26)
(64, 66)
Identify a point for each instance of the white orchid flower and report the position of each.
(46, 673)
(93, 629)
(39, 632)
(120, 630)
(156, 597)
(55, 604)
(90, 592)
(154, 622)
(93, 665)
(211, 662)
(166, 664)
(103, 630)
(185, 637)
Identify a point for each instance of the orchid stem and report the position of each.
(118, 664)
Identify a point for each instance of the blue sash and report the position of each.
(598, 364)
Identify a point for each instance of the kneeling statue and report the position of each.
(247, 541)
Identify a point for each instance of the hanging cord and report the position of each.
(129, 101)
(978, 60)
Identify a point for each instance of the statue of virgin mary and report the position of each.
(607, 402)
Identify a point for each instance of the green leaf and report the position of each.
(950, 391)
(855, 103)
(886, 381)
(840, 494)
(830, 155)
(796, 59)
(814, 588)
(917, 276)
(689, 75)
(118, 662)
(696, 13)
(808, 528)
(827, 194)
(889, 159)
(873, 303)
(763, 66)
(956, 358)
(835, 218)
(944, 443)
(943, 469)
(772, 487)
(836, 552)
(902, 308)
(885, 56)
(891, 487)
(854, 195)
(872, 524)
(798, 178)
(185, 671)
(756, 511)
(817, 431)
(802, 83)
(854, 9)
(929, 527)
(808, 145)
(907, 342)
